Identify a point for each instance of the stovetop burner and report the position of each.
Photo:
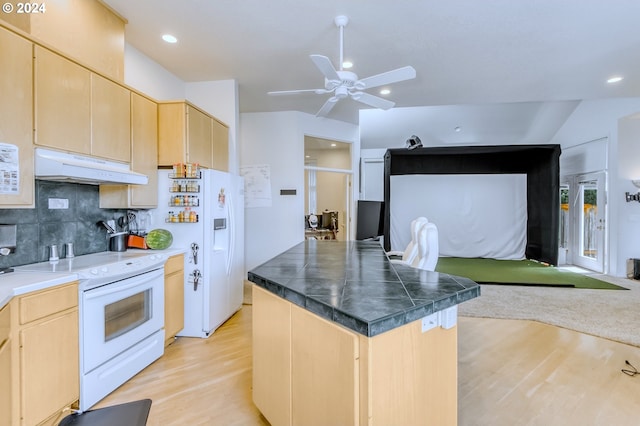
(97, 269)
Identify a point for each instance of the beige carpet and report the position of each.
(610, 314)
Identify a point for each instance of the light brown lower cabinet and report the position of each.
(45, 355)
(307, 370)
(173, 297)
(5, 366)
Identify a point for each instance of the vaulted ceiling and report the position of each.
(486, 55)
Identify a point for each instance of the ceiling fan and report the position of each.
(346, 83)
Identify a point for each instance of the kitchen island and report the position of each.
(341, 335)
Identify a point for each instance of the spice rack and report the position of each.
(184, 183)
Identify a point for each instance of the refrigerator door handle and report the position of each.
(230, 242)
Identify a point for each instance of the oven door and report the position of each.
(116, 316)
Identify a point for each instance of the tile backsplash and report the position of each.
(40, 227)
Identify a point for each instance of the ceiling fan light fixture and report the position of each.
(341, 92)
(346, 84)
(347, 65)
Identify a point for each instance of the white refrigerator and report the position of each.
(205, 214)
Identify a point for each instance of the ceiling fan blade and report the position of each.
(371, 100)
(327, 106)
(393, 76)
(295, 92)
(325, 66)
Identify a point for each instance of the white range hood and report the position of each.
(65, 167)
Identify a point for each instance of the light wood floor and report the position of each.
(511, 372)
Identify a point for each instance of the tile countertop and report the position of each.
(355, 285)
(21, 282)
(17, 283)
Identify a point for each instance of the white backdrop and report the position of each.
(476, 215)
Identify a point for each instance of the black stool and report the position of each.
(128, 414)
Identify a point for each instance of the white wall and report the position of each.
(628, 218)
(150, 78)
(277, 139)
(372, 183)
(598, 119)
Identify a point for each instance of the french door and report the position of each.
(588, 216)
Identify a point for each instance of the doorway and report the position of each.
(328, 188)
(583, 220)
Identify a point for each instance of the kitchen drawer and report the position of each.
(47, 302)
(5, 324)
(174, 264)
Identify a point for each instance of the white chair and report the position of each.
(410, 253)
(428, 249)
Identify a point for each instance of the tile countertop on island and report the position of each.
(21, 282)
(355, 285)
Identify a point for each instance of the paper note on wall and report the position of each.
(257, 185)
(9, 169)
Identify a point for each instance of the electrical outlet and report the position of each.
(429, 322)
(58, 203)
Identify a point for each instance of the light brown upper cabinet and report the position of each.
(62, 103)
(199, 137)
(188, 134)
(110, 119)
(144, 150)
(79, 111)
(88, 31)
(144, 159)
(16, 114)
(184, 135)
(220, 146)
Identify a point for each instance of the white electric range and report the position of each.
(121, 316)
(97, 269)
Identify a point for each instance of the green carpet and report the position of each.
(518, 272)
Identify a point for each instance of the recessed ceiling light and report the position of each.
(169, 38)
(615, 79)
(333, 144)
(458, 129)
(347, 64)
(385, 91)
